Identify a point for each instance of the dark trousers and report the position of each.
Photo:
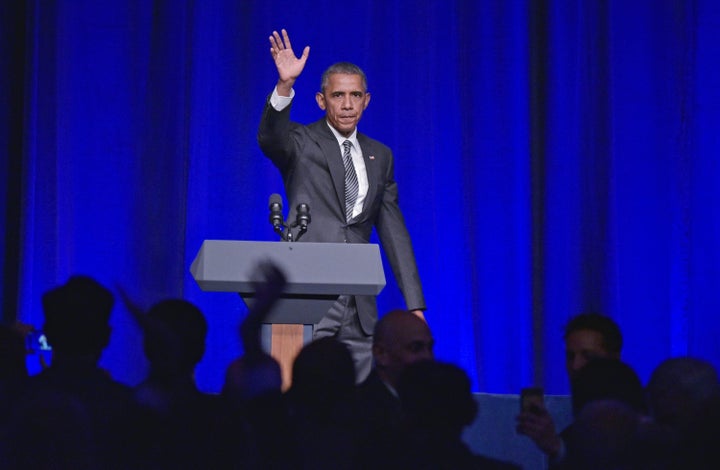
(342, 323)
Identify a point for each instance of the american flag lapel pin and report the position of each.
(371, 157)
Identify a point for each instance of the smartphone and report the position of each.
(36, 342)
(532, 399)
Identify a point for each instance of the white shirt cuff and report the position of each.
(281, 102)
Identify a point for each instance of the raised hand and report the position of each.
(288, 66)
(539, 426)
(268, 290)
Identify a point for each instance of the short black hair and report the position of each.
(606, 326)
(347, 68)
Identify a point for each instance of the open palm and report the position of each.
(289, 67)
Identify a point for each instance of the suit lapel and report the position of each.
(330, 149)
(329, 146)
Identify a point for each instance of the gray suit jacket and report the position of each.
(310, 162)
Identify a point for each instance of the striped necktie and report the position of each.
(351, 181)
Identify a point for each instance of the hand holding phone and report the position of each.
(532, 399)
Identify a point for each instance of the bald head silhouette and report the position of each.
(401, 338)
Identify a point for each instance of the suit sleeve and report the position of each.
(396, 244)
(274, 136)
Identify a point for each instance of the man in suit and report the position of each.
(311, 161)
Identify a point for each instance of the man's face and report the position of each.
(343, 100)
(411, 344)
(580, 347)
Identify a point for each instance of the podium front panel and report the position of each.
(310, 268)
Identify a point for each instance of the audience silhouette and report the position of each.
(603, 436)
(13, 371)
(683, 396)
(607, 379)
(410, 412)
(13, 378)
(178, 426)
(608, 404)
(256, 373)
(437, 404)
(253, 383)
(321, 405)
(73, 414)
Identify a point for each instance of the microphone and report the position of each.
(275, 206)
(302, 218)
(276, 216)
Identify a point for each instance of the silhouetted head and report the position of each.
(679, 388)
(607, 379)
(436, 396)
(400, 339)
(323, 373)
(588, 336)
(175, 332)
(250, 377)
(77, 316)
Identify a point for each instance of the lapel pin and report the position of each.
(371, 157)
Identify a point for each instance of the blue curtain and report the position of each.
(553, 157)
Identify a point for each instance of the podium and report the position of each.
(316, 273)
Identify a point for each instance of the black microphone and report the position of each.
(276, 217)
(303, 216)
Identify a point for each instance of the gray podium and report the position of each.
(317, 273)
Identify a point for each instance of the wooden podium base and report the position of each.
(286, 341)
